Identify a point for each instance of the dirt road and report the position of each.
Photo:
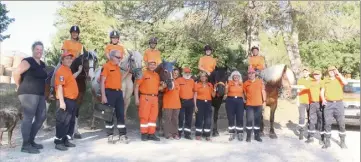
(94, 146)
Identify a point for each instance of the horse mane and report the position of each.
(137, 57)
(219, 74)
(273, 74)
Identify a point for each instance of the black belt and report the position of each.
(65, 98)
(110, 89)
(148, 94)
(186, 99)
(234, 97)
(334, 101)
(204, 100)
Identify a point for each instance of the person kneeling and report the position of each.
(66, 92)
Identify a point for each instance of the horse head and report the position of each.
(219, 78)
(133, 62)
(89, 61)
(165, 71)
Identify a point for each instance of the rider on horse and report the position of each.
(114, 44)
(207, 63)
(257, 62)
(151, 53)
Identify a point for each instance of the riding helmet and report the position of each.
(74, 29)
(254, 47)
(153, 40)
(208, 47)
(114, 34)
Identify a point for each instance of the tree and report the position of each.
(5, 21)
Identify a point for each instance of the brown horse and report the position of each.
(89, 61)
(278, 80)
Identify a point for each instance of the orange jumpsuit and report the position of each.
(148, 102)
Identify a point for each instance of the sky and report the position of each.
(33, 22)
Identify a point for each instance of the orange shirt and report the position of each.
(257, 62)
(253, 92)
(171, 98)
(304, 94)
(333, 89)
(73, 47)
(64, 77)
(315, 90)
(149, 83)
(152, 54)
(186, 88)
(111, 47)
(234, 90)
(113, 76)
(203, 92)
(207, 63)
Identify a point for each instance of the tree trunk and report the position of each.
(253, 24)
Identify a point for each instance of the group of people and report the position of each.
(322, 100)
(179, 103)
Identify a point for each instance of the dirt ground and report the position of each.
(94, 146)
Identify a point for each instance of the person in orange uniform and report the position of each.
(207, 63)
(111, 90)
(332, 95)
(114, 44)
(255, 93)
(235, 106)
(147, 89)
(257, 62)
(204, 92)
(314, 111)
(171, 107)
(304, 100)
(186, 95)
(152, 53)
(66, 92)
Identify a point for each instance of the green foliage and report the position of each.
(344, 55)
(5, 21)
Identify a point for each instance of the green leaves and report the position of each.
(5, 21)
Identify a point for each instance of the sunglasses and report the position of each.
(117, 57)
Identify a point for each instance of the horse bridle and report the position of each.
(90, 67)
(130, 63)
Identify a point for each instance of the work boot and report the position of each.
(61, 147)
(28, 148)
(123, 139)
(37, 146)
(231, 137)
(153, 137)
(248, 139)
(257, 136)
(111, 139)
(309, 139)
(327, 143)
(322, 140)
(144, 137)
(343, 144)
(240, 136)
(215, 133)
(187, 136)
(68, 144)
(300, 136)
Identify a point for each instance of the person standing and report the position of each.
(66, 90)
(147, 89)
(255, 93)
(304, 101)
(207, 63)
(332, 95)
(203, 108)
(235, 106)
(186, 94)
(30, 79)
(111, 91)
(114, 45)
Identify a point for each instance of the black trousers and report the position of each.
(65, 121)
(203, 118)
(315, 118)
(254, 114)
(115, 99)
(335, 110)
(302, 110)
(235, 112)
(186, 116)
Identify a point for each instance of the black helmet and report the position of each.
(114, 34)
(74, 29)
(153, 40)
(208, 47)
(254, 47)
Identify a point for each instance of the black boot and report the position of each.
(187, 136)
(37, 146)
(343, 144)
(257, 136)
(231, 137)
(68, 144)
(153, 137)
(248, 139)
(322, 140)
(59, 145)
(28, 148)
(300, 136)
(144, 137)
(309, 139)
(240, 136)
(327, 143)
(215, 133)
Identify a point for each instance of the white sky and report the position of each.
(33, 22)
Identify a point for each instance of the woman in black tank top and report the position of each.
(30, 79)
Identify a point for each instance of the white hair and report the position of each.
(112, 53)
(235, 73)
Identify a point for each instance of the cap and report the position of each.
(67, 54)
(254, 47)
(331, 68)
(251, 69)
(186, 70)
(318, 72)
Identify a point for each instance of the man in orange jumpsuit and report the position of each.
(147, 89)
